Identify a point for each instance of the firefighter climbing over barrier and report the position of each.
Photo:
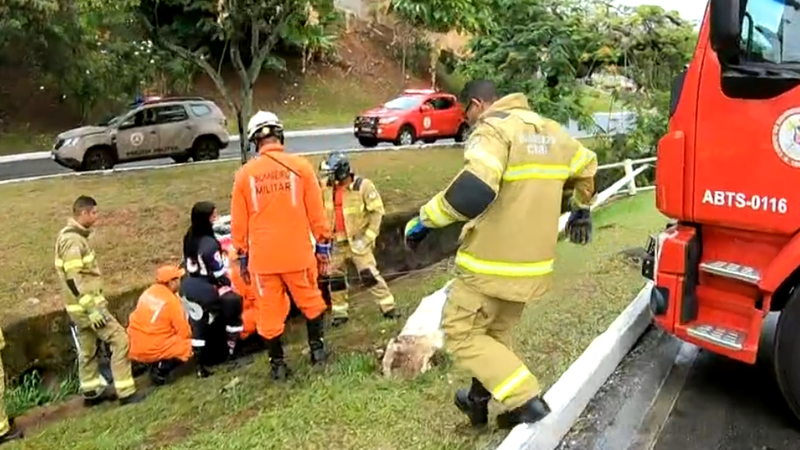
(509, 194)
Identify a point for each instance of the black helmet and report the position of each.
(336, 166)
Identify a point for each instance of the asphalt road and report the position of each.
(40, 167)
(670, 396)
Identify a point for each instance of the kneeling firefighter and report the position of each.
(275, 205)
(509, 194)
(214, 309)
(354, 207)
(159, 332)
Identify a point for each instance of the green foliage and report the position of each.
(445, 15)
(31, 391)
(90, 51)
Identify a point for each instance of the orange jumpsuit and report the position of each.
(158, 329)
(249, 306)
(275, 204)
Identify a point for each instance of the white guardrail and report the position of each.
(611, 123)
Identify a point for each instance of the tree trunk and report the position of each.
(244, 112)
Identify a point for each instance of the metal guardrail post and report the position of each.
(628, 166)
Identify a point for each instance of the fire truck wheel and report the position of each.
(787, 352)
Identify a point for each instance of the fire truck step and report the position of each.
(732, 270)
(731, 339)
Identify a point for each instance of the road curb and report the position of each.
(570, 395)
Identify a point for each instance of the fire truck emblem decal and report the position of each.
(786, 137)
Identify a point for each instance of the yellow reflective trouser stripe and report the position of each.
(536, 171)
(352, 209)
(435, 212)
(370, 234)
(486, 158)
(582, 157)
(506, 388)
(386, 301)
(505, 269)
(91, 385)
(124, 384)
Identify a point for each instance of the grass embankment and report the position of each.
(349, 405)
(143, 216)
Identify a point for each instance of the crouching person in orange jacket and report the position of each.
(275, 205)
(158, 330)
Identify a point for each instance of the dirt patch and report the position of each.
(41, 417)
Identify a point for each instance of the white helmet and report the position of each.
(261, 120)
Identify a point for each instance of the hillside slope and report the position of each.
(364, 73)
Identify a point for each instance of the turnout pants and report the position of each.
(92, 383)
(273, 303)
(368, 272)
(213, 323)
(478, 333)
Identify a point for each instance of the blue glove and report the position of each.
(243, 270)
(323, 250)
(415, 232)
(579, 226)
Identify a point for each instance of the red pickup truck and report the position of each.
(418, 114)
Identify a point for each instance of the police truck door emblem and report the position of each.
(426, 122)
(137, 139)
(786, 137)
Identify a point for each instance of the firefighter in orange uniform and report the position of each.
(158, 330)
(276, 204)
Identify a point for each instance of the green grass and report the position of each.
(24, 140)
(349, 405)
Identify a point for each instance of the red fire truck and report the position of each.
(724, 173)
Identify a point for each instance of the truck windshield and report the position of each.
(403, 103)
(771, 31)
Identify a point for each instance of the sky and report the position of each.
(688, 9)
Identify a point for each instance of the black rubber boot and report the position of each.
(530, 412)
(339, 321)
(316, 344)
(474, 403)
(279, 371)
(391, 314)
(136, 397)
(200, 358)
(14, 433)
(93, 399)
(161, 371)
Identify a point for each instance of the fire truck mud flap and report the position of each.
(787, 352)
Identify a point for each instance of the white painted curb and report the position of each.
(570, 395)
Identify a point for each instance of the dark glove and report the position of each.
(579, 226)
(243, 270)
(415, 232)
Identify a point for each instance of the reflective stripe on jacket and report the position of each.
(508, 250)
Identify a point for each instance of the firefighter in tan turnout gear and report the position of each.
(86, 306)
(355, 210)
(509, 193)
